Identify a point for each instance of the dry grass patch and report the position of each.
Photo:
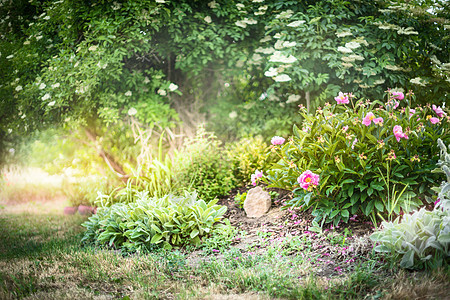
(419, 285)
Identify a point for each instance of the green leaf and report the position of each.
(347, 181)
(350, 191)
(156, 239)
(345, 213)
(408, 259)
(379, 205)
(334, 213)
(369, 208)
(346, 205)
(194, 233)
(307, 198)
(377, 187)
(354, 199)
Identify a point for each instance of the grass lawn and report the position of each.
(41, 258)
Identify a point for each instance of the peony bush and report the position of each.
(373, 157)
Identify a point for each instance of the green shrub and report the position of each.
(146, 222)
(247, 155)
(353, 147)
(202, 165)
(239, 199)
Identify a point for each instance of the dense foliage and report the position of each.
(146, 222)
(248, 155)
(367, 153)
(203, 165)
(91, 64)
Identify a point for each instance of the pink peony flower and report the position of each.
(398, 95)
(368, 119)
(438, 110)
(308, 180)
(434, 120)
(398, 133)
(277, 140)
(378, 120)
(254, 177)
(341, 98)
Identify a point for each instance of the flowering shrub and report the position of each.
(353, 145)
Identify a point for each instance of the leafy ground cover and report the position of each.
(273, 257)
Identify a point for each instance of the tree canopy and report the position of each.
(94, 64)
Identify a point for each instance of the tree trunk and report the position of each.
(109, 160)
(308, 101)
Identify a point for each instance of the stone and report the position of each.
(85, 210)
(70, 210)
(257, 202)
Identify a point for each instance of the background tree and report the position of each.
(89, 65)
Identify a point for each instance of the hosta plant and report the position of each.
(352, 145)
(167, 221)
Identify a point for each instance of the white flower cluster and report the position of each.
(418, 81)
(46, 97)
(246, 21)
(282, 78)
(393, 68)
(213, 4)
(293, 98)
(265, 39)
(343, 33)
(344, 49)
(271, 72)
(296, 23)
(285, 14)
(233, 115)
(347, 65)
(173, 87)
(407, 31)
(284, 44)
(132, 111)
(278, 56)
(379, 81)
(352, 45)
(265, 50)
(400, 30)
